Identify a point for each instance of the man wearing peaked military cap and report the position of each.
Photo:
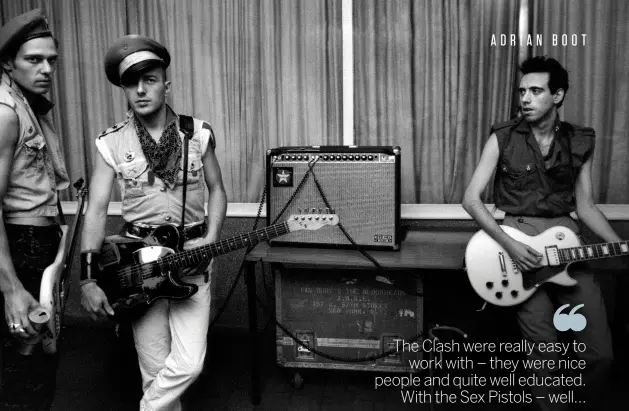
(131, 54)
(32, 169)
(146, 153)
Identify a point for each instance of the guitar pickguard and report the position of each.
(132, 277)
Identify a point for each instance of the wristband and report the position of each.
(89, 266)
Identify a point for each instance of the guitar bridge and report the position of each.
(552, 255)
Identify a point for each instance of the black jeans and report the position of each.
(28, 381)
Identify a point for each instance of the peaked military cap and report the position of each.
(131, 52)
(23, 28)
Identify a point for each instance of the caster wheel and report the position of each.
(298, 382)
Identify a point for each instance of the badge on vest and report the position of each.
(129, 156)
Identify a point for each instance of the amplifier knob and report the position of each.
(351, 157)
(370, 158)
(325, 157)
(292, 157)
(364, 157)
(298, 157)
(338, 157)
(344, 157)
(306, 158)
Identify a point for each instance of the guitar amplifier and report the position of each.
(361, 185)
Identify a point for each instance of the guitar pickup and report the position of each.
(552, 256)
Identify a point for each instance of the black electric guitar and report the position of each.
(136, 273)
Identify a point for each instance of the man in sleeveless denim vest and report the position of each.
(144, 153)
(543, 173)
(31, 171)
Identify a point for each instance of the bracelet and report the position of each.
(87, 281)
(89, 266)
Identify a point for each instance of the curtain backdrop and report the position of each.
(598, 95)
(427, 80)
(263, 73)
(268, 73)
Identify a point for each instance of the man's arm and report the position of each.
(217, 200)
(587, 210)
(17, 301)
(524, 256)
(93, 298)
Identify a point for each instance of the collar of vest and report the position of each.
(38, 103)
(524, 128)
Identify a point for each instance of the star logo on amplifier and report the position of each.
(282, 177)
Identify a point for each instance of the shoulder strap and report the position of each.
(186, 125)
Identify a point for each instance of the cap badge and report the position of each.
(129, 156)
(528, 167)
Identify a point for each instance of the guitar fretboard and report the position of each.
(192, 257)
(593, 251)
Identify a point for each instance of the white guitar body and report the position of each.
(53, 294)
(497, 280)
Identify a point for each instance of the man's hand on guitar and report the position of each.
(17, 305)
(202, 267)
(95, 302)
(524, 257)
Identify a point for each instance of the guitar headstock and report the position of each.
(311, 221)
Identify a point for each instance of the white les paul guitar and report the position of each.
(497, 280)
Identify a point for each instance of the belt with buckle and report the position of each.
(189, 233)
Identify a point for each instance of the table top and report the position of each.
(419, 250)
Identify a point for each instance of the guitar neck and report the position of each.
(593, 251)
(194, 256)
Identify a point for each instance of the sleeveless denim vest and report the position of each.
(523, 184)
(38, 169)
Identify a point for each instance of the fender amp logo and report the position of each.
(282, 176)
(383, 238)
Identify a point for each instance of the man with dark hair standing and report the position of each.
(31, 171)
(144, 152)
(543, 173)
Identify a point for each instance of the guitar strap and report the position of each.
(186, 125)
(62, 217)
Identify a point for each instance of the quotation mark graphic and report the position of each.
(570, 321)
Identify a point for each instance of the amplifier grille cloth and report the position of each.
(362, 194)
